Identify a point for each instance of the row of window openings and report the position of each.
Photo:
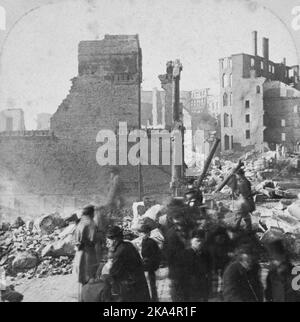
(227, 99)
(227, 62)
(226, 120)
(271, 68)
(248, 136)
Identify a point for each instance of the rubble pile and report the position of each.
(41, 248)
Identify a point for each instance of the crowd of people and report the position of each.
(204, 262)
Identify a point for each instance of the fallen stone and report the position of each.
(64, 247)
(259, 198)
(48, 223)
(24, 261)
(294, 210)
(5, 226)
(30, 225)
(19, 222)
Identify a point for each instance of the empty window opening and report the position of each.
(226, 120)
(226, 142)
(9, 124)
(283, 137)
(225, 99)
(247, 118)
(247, 134)
(258, 89)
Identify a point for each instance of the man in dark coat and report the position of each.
(126, 270)
(199, 269)
(279, 281)
(176, 243)
(242, 278)
(151, 258)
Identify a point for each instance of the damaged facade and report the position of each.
(246, 101)
(57, 170)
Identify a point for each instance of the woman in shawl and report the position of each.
(85, 241)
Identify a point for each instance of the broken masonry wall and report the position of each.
(59, 172)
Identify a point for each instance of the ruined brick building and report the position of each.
(44, 171)
(260, 101)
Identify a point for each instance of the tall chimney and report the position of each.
(254, 43)
(284, 61)
(266, 48)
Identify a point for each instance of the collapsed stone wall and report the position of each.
(47, 174)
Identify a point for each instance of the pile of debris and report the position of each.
(38, 248)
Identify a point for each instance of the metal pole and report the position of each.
(208, 162)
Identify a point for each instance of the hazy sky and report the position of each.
(40, 55)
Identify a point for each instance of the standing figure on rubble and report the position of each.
(114, 198)
(245, 203)
(126, 269)
(85, 263)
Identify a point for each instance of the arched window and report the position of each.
(2, 18)
(225, 99)
(230, 80)
(226, 120)
(230, 99)
(258, 89)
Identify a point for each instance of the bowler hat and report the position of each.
(145, 229)
(114, 232)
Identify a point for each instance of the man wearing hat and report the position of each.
(126, 269)
(242, 277)
(280, 278)
(198, 263)
(151, 257)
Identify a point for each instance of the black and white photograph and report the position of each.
(149, 152)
